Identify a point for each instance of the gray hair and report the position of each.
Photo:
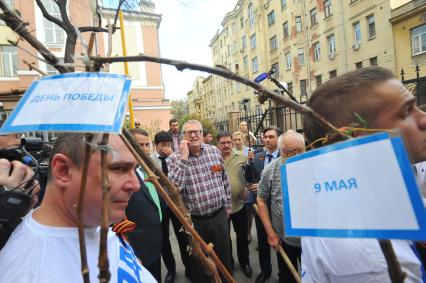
(292, 135)
(192, 122)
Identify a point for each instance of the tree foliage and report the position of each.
(179, 108)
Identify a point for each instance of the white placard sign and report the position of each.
(361, 188)
(80, 102)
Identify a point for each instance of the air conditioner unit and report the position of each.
(331, 56)
(242, 50)
(355, 46)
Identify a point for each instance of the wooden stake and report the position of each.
(284, 256)
(80, 206)
(103, 263)
(395, 272)
(138, 153)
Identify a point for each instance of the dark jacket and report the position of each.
(253, 172)
(146, 239)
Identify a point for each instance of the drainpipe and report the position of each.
(342, 29)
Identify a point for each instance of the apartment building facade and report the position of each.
(409, 28)
(141, 34)
(306, 41)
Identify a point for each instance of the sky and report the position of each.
(186, 28)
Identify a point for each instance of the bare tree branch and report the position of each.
(13, 92)
(92, 29)
(48, 16)
(17, 24)
(182, 65)
(32, 66)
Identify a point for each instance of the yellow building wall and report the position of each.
(403, 48)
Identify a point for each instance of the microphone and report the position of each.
(264, 76)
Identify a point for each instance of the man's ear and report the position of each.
(61, 169)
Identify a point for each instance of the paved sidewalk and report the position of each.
(238, 273)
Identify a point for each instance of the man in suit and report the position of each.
(144, 209)
(261, 160)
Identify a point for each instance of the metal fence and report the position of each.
(222, 125)
(417, 86)
(282, 117)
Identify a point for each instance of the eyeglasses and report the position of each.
(196, 132)
(137, 124)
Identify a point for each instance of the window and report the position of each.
(318, 80)
(298, 24)
(253, 41)
(285, 29)
(371, 27)
(357, 32)
(273, 43)
(327, 8)
(276, 67)
(331, 44)
(244, 42)
(333, 74)
(9, 61)
(283, 3)
(290, 87)
(9, 4)
(254, 65)
(317, 51)
(303, 88)
(288, 61)
(313, 13)
(418, 39)
(301, 56)
(358, 65)
(53, 34)
(245, 63)
(251, 15)
(373, 61)
(241, 22)
(271, 18)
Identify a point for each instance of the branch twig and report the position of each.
(80, 205)
(182, 65)
(13, 92)
(103, 263)
(17, 24)
(32, 66)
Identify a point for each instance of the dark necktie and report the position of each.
(269, 157)
(164, 165)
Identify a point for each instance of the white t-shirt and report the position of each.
(39, 253)
(354, 261)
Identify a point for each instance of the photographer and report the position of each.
(18, 188)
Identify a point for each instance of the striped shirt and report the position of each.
(202, 180)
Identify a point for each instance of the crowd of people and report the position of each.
(230, 183)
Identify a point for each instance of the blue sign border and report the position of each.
(115, 128)
(409, 180)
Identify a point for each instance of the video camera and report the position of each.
(16, 202)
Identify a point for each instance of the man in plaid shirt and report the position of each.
(197, 169)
